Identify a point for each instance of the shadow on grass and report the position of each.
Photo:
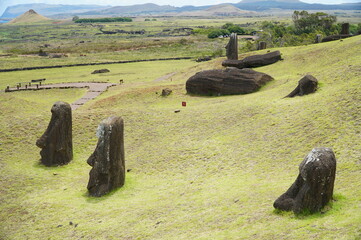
(335, 205)
(128, 184)
(39, 165)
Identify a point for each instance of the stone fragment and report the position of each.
(226, 82)
(254, 61)
(107, 160)
(318, 38)
(308, 84)
(204, 59)
(232, 47)
(57, 142)
(261, 45)
(345, 28)
(335, 37)
(104, 70)
(166, 92)
(313, 188)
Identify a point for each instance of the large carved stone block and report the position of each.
(254, 60)
(232, 47)
(57, 142)
(108, 162)
(226, 82)
(313, 188)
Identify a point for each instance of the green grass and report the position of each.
(129, 72)
(211, 171)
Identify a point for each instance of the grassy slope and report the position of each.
(129, 72)
(211, 171)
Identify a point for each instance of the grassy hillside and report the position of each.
(211, 171)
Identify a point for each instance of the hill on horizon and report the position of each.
(67, 11)
(48, 9)
(29, 17)
(218, 10)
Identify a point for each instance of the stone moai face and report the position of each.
(232, 47)
(108, 162)
(313, 188)
(57, 142)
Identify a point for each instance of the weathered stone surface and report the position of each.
(232, 47)
(166, 92)
(104, 70)
(308, 84)
(345, 28)
(261, 45)
(57, 142)
(226, 82)
(318, 38)
(313, 188)
(108, 161)
(335, 37)
(254, 61)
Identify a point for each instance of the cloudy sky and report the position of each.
(6, 3)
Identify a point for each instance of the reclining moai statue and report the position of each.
(313, 188)
(108, 162)
(232, 47)
(57, 142)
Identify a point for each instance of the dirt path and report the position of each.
(94, 90)
(165, 77)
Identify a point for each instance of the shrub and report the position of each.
(218, 32)
(92, 20)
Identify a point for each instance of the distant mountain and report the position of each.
(263, 5)
(241, 8)
(218, 10)
(139, 9)
(29, 17)
(49, 9)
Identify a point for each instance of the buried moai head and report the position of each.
(57, 142)
(108, 162)
(308, 84)
(313, 188)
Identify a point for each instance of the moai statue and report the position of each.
(232, 47)
(345, 29)
(57, 142)
(308, 84)
(318, 38)
(313, 188)
(262, 45)
(108, 162)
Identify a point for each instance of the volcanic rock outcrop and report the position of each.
(107, 160)
(313, 188)
(308, 84)
(57, 142)
(226, 82)
(254, 61)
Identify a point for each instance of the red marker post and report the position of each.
(184, 104)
